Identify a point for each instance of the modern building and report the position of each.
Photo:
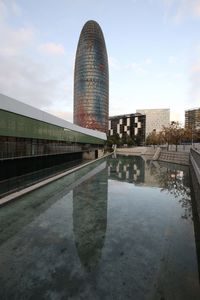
(129, 125)
(192, 118)
(31, 139)
(155, 119)
(28, 131)
(91, 79)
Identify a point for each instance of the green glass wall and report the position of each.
(14, 125)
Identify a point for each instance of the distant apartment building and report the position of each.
(155, 119)
(192, 118)
(129, 125)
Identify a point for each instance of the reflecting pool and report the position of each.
(121, 228)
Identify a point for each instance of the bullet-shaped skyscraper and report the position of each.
(91, 79)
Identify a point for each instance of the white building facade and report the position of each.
(155, 119)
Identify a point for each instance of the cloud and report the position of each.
(180, 10)
(175, 116)
(16, 9)
(138, 68)
(51, 48)
(194, 78)
(24, 75)
(14, 41)
(195, 69)
(66, 115)
(172, 60)
(115, 64)
(148, 61)
(194, 92)
(141, 67)
(3, 10)
(30, 81)
(9, 7)
(178, 76)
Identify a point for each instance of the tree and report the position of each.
(152, 138)
(173, 134)
(129, 141)
(113, 140)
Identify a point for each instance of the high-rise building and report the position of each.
(155, 119)
(192, 118)
(128, 126)
(91, 82)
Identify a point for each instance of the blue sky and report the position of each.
(153, 49)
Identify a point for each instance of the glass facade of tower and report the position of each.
(91, 85)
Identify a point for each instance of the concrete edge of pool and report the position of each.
(13, 196)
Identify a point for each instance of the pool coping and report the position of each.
(13, 196)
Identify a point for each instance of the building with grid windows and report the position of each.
(91, 86)
(128, 126)
(192, 118)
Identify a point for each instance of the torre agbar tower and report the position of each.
(91, 86)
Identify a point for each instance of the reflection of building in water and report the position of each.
(134, 169)
(169, 177)
(150, 177)
(125, 169)
(90, 217)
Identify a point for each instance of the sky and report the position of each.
(153, 52)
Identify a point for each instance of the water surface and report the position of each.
(120, 228)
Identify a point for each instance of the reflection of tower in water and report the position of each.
(123, 168)
(90, 217)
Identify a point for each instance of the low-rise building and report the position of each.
(128, 126)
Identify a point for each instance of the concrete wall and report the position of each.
(185, 148)
(89, 155)
(93, 154)
(100, 152)
(195, 175)
(178, 157)
(136, 151)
